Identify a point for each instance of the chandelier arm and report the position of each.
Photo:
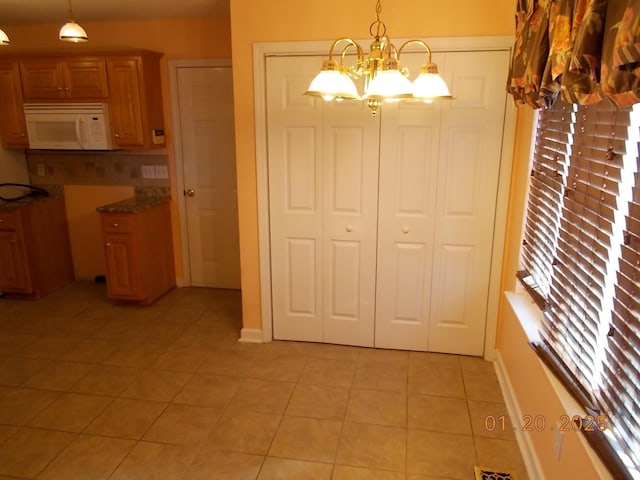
(351, 43)
(419, 42)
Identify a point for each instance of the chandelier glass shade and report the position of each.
(4, 39)
(384, 77)
(71, 31)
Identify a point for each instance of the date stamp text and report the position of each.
(539, 423)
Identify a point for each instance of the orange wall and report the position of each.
(202, 38)
(289, 20)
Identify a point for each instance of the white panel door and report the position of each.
(409, 150)
(350, 222)
(323, 180)
(439, 167)
(205, 97)
(295, 132)
(468, 174)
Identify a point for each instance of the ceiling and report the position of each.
(19, 12)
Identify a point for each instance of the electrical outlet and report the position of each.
(558, 439)
(148, 171)
(162, 171)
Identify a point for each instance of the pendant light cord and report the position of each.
(70, 12)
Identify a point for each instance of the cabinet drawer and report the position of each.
(117, 223)
(8, 221)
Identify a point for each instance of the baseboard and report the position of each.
(250, 335)
(534, 470)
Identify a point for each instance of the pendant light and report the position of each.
(385, 78)
(4, 39)
(71, 31)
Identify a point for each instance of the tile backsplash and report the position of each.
(98, 168)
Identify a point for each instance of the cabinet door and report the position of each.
(122, 279)
(126, 109)
(13, 130)
(86, 78)
(14, 275)
(42, 79)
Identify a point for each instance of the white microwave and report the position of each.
(68, 126)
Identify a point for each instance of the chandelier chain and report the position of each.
(380, 27)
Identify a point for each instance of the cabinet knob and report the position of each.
(405, 229)
(115, 225)
(107, 244)
(117, 135)
(190, 192)
(348, 228)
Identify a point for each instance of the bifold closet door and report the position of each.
(381, 228)
(439, 172)
(323, 180)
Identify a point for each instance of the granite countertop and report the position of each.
(54, 191)
(132, 205)
(143, 199)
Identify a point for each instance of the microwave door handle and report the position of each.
(79, 131)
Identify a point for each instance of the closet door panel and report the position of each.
(295, 202)
(350, 222)
(408, 161)
(468, 175)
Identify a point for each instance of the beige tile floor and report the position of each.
(94, 390)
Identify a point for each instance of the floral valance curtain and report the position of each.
(584, 50)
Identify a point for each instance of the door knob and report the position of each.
(190, 192)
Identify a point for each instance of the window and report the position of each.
(581, 263)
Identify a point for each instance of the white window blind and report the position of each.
(581, 260)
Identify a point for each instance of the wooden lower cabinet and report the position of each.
(139, 254)
(35, 251)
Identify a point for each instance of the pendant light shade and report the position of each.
(332, 84)
(4, 39)
(429, 85)
(71, 31)
(388, 85)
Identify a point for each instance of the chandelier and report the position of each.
(385, 79)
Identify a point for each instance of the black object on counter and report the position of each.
(27, 191)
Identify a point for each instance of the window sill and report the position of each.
(530, 318)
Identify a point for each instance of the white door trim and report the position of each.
(174, 65)
(261, 51)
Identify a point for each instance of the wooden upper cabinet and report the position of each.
(136, 101)
(126, 106)
(13, 129)
(127, 80)
(46, 79)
